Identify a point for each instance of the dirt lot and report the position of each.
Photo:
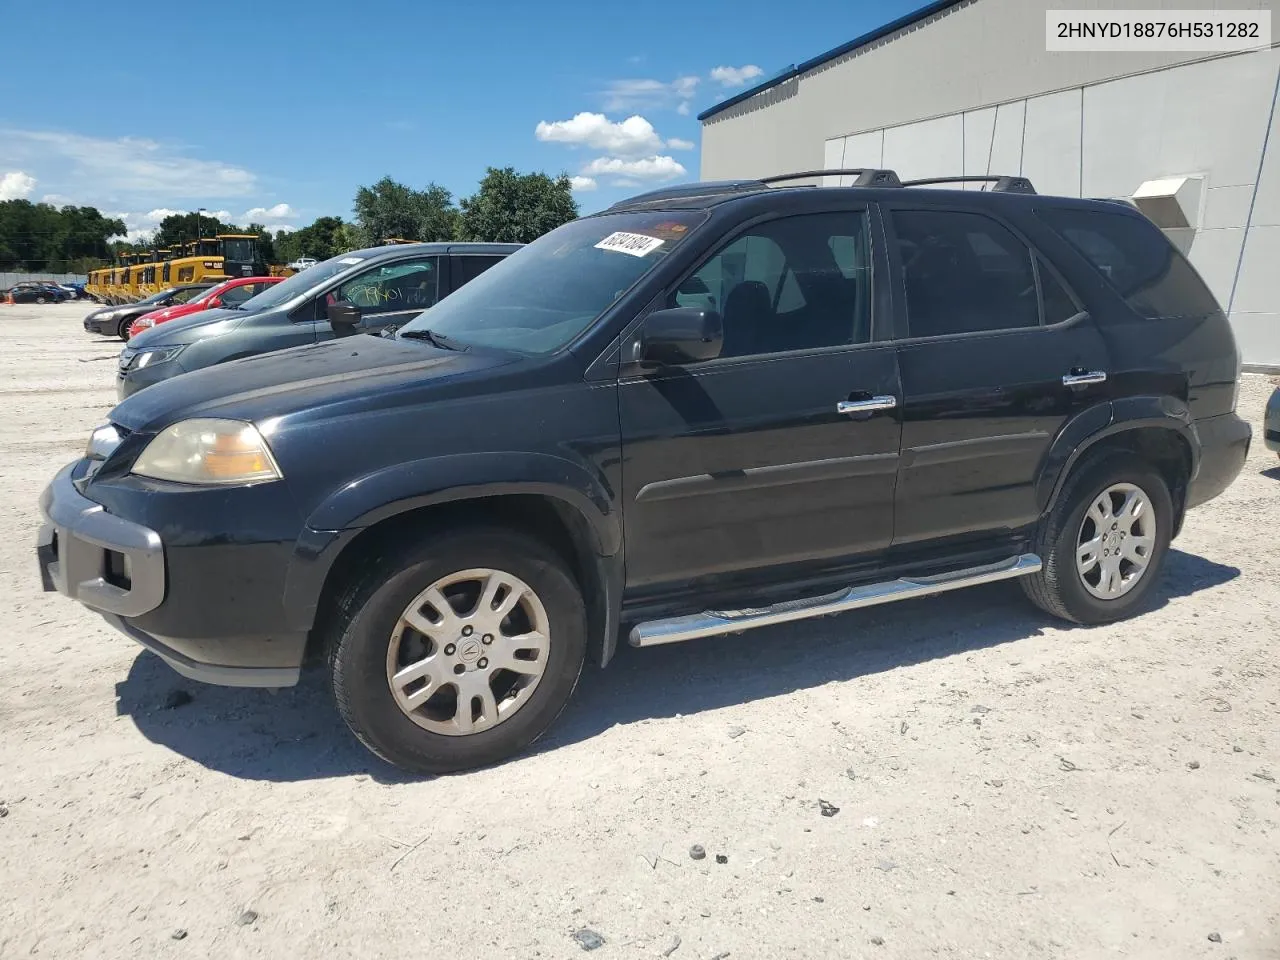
(1005, 787)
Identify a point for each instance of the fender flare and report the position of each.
(1096, 424)
(457, 478)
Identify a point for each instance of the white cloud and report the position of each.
(648, 94)
(280, 227)
(158, 214)
(683, 109)
(632, 136)
(735, 76)
(675, 143)
(656, 168)
(125, 166)
(279, 211)
(16, 185)
(55, 200)
(582, 184)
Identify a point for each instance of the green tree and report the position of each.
(320, 239)
(515, 208)
(38, 236)
(389, 209)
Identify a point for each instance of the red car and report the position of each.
(230, 293)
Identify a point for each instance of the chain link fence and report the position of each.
(7, 280)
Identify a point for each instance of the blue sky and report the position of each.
(278, 112)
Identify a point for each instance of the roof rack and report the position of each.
(865, 176)
(1003, 184)
(699, 188)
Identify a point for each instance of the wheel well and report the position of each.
(551, 521)
(1164, 449)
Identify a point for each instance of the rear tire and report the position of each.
(1100, 563)
(420, 724)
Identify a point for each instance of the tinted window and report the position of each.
(467, 268)
(791, 284)
(1058, 304)
(234, 296)
(963, 273)
(406, 285)
(1131, 252)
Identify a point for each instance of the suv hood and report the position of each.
(357, 372)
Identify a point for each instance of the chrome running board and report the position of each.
(714, 622)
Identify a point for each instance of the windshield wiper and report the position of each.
(433, 338)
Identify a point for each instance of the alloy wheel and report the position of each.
(1116, 540)
(468, 652)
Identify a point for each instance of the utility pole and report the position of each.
(199, 210)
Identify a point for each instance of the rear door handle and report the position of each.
(1083, 378)
(870, 405)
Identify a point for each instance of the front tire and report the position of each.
(122, 330)
(458, 651)
(1104, 544)
(41, 300)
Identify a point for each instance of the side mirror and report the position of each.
(344, 318)
(680, 335)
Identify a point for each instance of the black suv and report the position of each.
(702, 410)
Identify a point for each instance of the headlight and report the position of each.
(155, 356)
(208, 451)
(108, 315)
(142, 323)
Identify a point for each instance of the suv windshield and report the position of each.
(286, 290)
(545, 294)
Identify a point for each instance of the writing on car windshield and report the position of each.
(544, 295)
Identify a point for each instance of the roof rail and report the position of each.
(865, 177)
(699, 188)
(1003, 184)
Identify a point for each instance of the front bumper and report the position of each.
(109, 564)
(1224, 447)
(121, 570)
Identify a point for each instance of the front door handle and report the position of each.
(870, 405)
(1083, 378)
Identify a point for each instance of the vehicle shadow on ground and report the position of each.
(296, 734)
(1272, 473)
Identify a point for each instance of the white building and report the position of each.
(966, 87)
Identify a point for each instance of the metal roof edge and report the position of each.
(877, 34)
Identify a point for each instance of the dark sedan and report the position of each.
(31, 292)
(115, 321)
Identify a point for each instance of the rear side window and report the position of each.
(963, 273)
(1136, 258)
(467, 268)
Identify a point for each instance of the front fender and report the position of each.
(467, 476)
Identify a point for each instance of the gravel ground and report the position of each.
(999, 786)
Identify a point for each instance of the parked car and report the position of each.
(115, 321)
(371, 290)
(302, 263)
(700, 411)
(1271, 422)
(74, 291)
(31, 291)
(229, 294)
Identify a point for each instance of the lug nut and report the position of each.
(467, 631)
(459, 668)
(487, 638)
(482, 663)
(449, 648)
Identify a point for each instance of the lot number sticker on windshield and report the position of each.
(636, 244)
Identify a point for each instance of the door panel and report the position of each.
(980, 414)
(983, 389)
(745, 465)
(735, 466)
